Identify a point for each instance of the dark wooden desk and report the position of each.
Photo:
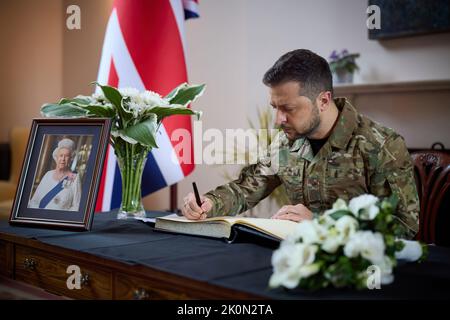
(129, 260)
(24, 258)
(45, 266)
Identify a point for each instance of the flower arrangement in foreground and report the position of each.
(343, 246)
(136, 117)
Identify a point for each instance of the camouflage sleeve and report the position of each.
(255, 182)
(394, 173)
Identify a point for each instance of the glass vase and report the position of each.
(131, 159)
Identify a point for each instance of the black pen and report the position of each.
(197, 195)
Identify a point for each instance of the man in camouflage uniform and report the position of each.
(326, 151)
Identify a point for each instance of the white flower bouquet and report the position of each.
(348, 246)
(136, 114)
(136, 117)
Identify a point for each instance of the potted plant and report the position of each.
(343, 66)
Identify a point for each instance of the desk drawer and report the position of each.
(129, 287)
(49, 272)
(6, 258)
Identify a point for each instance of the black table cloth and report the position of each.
(241, 266)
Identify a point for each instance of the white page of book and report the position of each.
(275, 227)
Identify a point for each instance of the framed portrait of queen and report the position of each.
(61, 173)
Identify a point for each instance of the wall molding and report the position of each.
(391, 87)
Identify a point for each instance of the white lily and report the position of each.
(364, 207)
(412, 251)
(331, 243)
(339, 233)
(309, 232)
(292, 262)
(339, 204)
(346, 227)
(368, 244)
(386, 267)
(326, 221)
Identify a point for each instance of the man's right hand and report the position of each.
(192, 211)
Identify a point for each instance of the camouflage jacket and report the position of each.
(360, 156)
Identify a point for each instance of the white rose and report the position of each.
(292, 262)
(309, 232)
(386, 267)
(308, 270)
(339, 204)
(412, 251)
(367, 244)
(346, 226)
(326, 221)
(331, 243)
(282, 267)
(364, 207)
(339, 234)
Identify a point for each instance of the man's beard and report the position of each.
(312, 125)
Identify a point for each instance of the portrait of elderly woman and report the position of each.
(59, 188)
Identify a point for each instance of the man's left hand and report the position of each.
(295, 213)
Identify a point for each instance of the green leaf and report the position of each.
(185, 94)
(77, 101)
(100, 111)
(67, 110)
(425, 252)
(143, 132)
(174, 92)
(162, 112)
(399, 245)
(114, 96)
(340, 213)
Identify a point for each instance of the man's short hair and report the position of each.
(304, 66)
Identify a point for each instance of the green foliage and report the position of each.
(64, 110)
(345, 271)
(185, 94)
(116, 99)
(131, 126)
(425, 252)
(143, 132)
(163, 112)
(315, 282)
(340, 213)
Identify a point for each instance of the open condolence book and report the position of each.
(227, 227)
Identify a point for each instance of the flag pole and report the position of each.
(173, 198)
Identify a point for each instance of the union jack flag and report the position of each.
(144, 48)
